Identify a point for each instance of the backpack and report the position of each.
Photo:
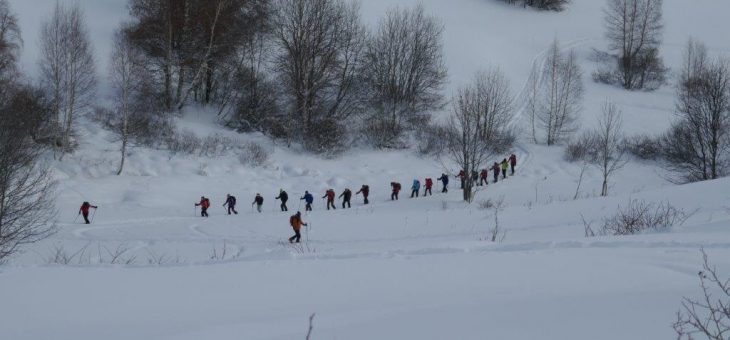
(233, 200)
(429, 182)
(397, 187)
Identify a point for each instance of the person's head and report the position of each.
(202, 197)
(86, 203)
(299, 213)
(306, 192)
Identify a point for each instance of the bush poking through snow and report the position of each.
(644, 147)
(253, 155)
(708, 317)
(638, 217)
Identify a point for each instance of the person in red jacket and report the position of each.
(484, 177)
(429, 185)
(396, 189)
(84, 210)
(204, 204)
(330, 195)
(513, 163)
(365, 190)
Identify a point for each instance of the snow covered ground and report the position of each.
(413, 269)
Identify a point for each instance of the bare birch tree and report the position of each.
(556, 96)
(479, 124)
(634, 30)
(698, 144)
(610, 155)
(126, 73)
(11, 43)
(405, 73)
(68, 69)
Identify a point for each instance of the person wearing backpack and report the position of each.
(415, 188)
(505, 166)
(308, 199)
(429, 185)
(396, 189)
(513, 163)
(346, 196)
(484, 177)
(204, 204)
(330, 196)
(259, 201)
(231, 203)
(444, 182)
(495, 171)
(84, 211)
(296, 223)
(283, 196)
(365, 190)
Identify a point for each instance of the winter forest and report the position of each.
(415, 169)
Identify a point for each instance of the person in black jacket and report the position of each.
(231, 203)
(445, 182)
(283, 196)
(259, 201)
(346, 196)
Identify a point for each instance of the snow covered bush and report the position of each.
(184, 142)
(584, 148)
(644, 147)
(431, 139)
(254, 155)
(641, 216)
(546, 5)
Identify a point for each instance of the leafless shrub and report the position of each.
(584, 148)
(219, 255)
(545, 5)
(640, 216)
(59, 255)
(302, 248)
(708, 317)
(643, 147)
(610, 156)
(116, 255)
(184, 142)
(486, 204)
(497, 234)
(587, 227)
(432, 139)
(252, 154)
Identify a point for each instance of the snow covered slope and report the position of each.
(413, 269)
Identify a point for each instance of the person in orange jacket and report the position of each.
(296, 224)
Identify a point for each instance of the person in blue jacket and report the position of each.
(415, 188)
(309, 199)
(445, 182)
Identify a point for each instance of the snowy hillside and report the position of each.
(421, 268)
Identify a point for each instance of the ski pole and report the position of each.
(92, 215)
(77, 217)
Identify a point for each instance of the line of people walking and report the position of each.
(481, 178)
